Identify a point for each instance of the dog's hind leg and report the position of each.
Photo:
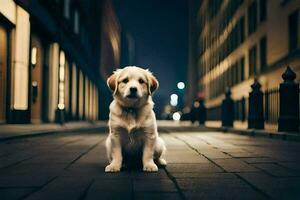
(108, 149)
(159, 150)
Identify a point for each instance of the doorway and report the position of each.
(3, 72)
(37, 59)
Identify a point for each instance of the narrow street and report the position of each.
(223, 75)
(201, 165)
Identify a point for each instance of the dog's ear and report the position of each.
(112, 82)
(152, 82)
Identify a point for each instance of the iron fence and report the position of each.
(240, 113)
(271, 105)
(271, 108)
(214, 113)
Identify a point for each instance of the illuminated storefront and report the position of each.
(43, 78)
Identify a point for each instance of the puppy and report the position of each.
(132, 122)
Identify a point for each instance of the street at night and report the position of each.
(149, 99)
(201, 165)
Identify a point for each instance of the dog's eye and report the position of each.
(141, 81)
(125, 80)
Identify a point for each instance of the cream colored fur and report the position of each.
(132, 122)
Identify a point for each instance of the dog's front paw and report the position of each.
(162, 162)
(112, 168)
(150, 167)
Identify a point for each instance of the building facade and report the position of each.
(110, 53)
(234, 41)
(50, 60)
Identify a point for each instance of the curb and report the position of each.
(291, 136)
(101, 129)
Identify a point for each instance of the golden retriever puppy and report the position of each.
(132, 122)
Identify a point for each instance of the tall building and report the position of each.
(50, 59)
(234, 41)
(110, 53)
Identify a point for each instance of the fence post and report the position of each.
(289, 103)
(267, 105)
(202, 112)
(227, 110)
(256, 107)
(243, 109)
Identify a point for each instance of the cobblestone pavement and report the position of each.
(202, 165)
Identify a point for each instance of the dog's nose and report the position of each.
(133, 89)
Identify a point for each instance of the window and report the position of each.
(262, 10)
(4, 38)
(213, 7)
(294, 30)
(252, 61)
(263, 53)
(231, 76)
(61, 86)
(241, 27)
(235, 72)
(242, 68)
(67, 9)
(252, 18)
(76, 22)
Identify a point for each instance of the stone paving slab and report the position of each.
(154, 185)
(179, 156)
(274, 187)
(12, 131)
(202, 165)
(194, 168)
(276, 170)
(290, 165)
(213, 154)
(259, 160)
(157, 196)
(235, 165)
(192, 175)
(14, 193)
(110, 189)
(220, 193)
(62, 188)
(27, 180)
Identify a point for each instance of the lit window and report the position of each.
(61, 88)
(33, 55)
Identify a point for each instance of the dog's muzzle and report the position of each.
(133, 93)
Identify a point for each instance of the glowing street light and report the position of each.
(174, 97)
(176, 116)
(174, 102)
(181, 85)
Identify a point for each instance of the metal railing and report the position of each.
(271, 106)
(214, 113)
(240, 112)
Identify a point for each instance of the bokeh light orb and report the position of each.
(174, 102)
(176, 116)
(181, 85)
(174, 97)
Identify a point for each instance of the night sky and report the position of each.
(160, 32)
